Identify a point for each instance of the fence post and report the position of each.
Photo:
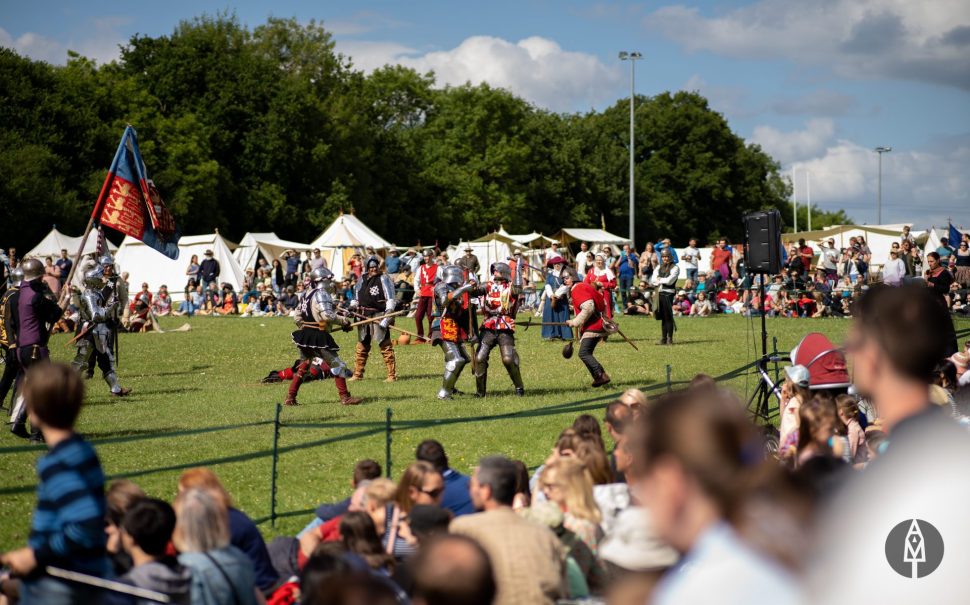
(387, 443)
(669, 385)
(276, 450)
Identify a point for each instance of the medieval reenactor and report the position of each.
(499, 302)
(96, 337)
(665, 280)
(450, 328)
(37, 311)
(374, 296)
(8, 332)
(317, 312)
(589, 307)
(555, 303)
(319, 370)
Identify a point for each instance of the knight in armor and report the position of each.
(8, 332)
(95, 316)
(499, 301)
(37, 311)
(317, 313)
(589, 307)
(450, 328)
(373, 296)
(114, 291)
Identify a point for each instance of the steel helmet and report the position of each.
(94, 278)
(373, 262)
(16, 276)
(502, 271)
(453, 275)
(32, 269)
(321, 274)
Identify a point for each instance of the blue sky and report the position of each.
(818, 84)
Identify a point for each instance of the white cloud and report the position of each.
(100, 42)
(732, 101)
(536, 68)
(787, 147)
(926, 40)
(923, 186)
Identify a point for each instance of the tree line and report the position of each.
(270, 129)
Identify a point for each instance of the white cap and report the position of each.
(633, 545)
(799, 375)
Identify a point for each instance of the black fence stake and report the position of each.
(387, 443)
(669, 384)
(276, 447)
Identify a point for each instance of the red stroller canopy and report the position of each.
(825, 362)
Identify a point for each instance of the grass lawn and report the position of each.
(198, 400)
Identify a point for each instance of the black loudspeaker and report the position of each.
(762, 232)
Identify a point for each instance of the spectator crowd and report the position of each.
(673, 499)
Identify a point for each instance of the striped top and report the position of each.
(67, 529)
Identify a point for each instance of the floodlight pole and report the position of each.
(632, 57)
(879, 151)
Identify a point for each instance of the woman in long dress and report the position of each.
(555, 305)
(601, 273)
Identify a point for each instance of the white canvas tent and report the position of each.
(144, 264)
(594, 237)
(55, 241)
(489, 249)
(879, 238)
(269, 244)
(345, 236)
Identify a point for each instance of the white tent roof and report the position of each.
(55, 241)
(268, 244)
(879, 238)
(144, 264)
(592, 236)
(348, 231)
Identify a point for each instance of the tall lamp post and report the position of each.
(880, 151)
(632, 57)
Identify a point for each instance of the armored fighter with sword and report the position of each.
(317, 312)
(95, 337)
(373, 296)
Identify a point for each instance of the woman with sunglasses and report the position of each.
(567, 483)
(420, 483)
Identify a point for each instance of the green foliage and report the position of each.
(271, 129)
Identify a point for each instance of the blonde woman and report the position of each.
(567, 483)
(221, 573)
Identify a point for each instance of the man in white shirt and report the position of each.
(582, 259)
(690, 257)
(829, 260)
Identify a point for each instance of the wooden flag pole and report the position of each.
(66, 289)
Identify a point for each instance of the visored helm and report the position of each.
(106, 261)
(453, 275)
(501, 271)
(321, 274)
(373, 262)
(32, 269)
(94, 278)
(16, 276)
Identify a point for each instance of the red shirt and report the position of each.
(728, 296)
(719, 256)
(583, 292)
(807, 254)
(426, 276)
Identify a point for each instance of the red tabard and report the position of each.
(582, 292)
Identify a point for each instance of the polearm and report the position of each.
(527, 324)
(390, 326)
(66, 292)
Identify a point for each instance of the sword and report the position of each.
(525, 325)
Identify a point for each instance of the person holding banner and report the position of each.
(95, 336)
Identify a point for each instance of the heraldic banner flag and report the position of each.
(130, 203)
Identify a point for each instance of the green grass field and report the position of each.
(198, 400)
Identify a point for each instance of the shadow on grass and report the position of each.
(175, 391)
(191, 370)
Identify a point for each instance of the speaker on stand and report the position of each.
(762, 256)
